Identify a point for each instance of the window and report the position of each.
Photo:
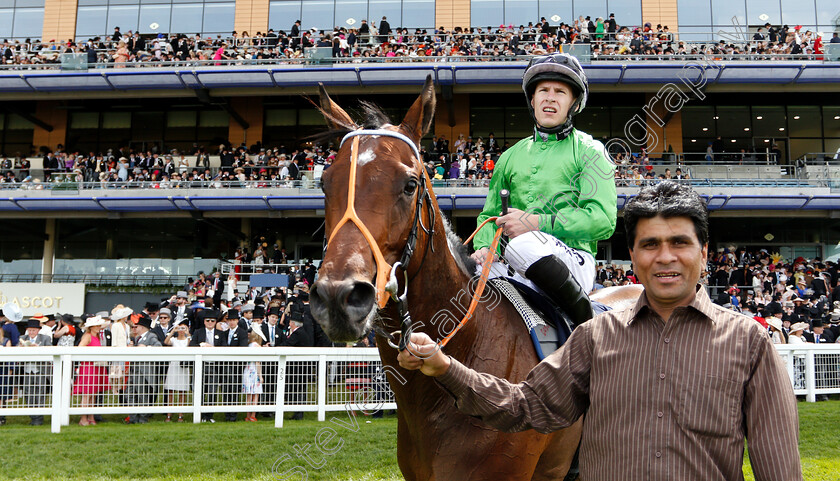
(317, 14)
(766, 121)
(799, 12)
(827, 11)
(186, 18)
(591, 8)
(387, 8)
(487, 13)
(757, 8)
(282, 14)
(352, 9)
(218, 17)
(728, 14)
(628, 12)
(154, 14)
(417, 13)
(280, 117)
(91, 21)
(804, 121)
(29, 22)
(520, 12)
(549, 9)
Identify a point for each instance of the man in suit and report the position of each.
(818, 334)
(384, 30)
(231, 372)
(298, 372)
(36, 375)
(164, 324)
(143, 376)
(179, 308)
(273, 334)
(208, 336)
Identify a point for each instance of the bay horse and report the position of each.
(378, 183)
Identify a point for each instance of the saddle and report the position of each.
(547, 324)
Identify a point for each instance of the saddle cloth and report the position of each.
(548, 326)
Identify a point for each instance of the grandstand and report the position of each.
(763, 102)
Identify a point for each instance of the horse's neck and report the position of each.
(440, 294)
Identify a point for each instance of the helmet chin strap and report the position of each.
(563, 130)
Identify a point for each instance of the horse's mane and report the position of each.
(373, 118)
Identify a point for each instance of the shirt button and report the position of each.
(543, 146)
(658, 454)
(533, 170)
(659, 414)
(667, 340)
(530, 198)
(661, 375)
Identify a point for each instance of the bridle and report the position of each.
(386, 279)
(385, 273)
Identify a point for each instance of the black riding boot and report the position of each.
(553, 276)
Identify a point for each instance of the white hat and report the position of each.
(94, 321)
(121, 313)
(799, 326)
(774, 322)
(12, 312)
(259, 332)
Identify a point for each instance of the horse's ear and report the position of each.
(419, 118)
(335, 116)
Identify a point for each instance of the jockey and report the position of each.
(562, 192)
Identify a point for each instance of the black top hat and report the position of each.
(297, 316)
(152, 307)
(145, 321)
(259, 312)
(274, 311)
(33, 323)
(68, 318)
(207, 314)
(816, 323)
(232, 314)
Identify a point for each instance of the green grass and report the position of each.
(222, 451)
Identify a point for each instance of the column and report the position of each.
(59, 20)
(452, 117)
(251, 16)
(57, 118)
(250, 109)
(452, 13)
(666, 126)
(660, 12)
(49, 250)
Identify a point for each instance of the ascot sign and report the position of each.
(44, 298)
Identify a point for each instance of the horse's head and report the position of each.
(374, 196)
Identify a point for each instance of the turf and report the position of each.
(254, 451)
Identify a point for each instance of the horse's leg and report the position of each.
(559, 453)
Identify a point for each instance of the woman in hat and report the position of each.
(177, 376)
(796, 331)
(120, 335)
(252, 378)
(777, 333)
(67, 334)
(92, 378)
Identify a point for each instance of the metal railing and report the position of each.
(138, 280)
(65, 381)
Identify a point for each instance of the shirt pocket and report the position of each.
(709, 405)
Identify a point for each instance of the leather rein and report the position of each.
(386, 279)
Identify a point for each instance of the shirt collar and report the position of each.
(701, 303)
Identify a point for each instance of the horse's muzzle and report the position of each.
(342, 307)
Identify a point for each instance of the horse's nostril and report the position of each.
(361, 296)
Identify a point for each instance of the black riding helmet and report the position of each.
(562, 67)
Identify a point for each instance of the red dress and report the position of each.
(91, 379)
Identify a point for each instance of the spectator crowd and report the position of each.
(606, 39)
(208, 312)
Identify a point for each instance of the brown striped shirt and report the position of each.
(663, 400)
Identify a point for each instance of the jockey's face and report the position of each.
(551, 102)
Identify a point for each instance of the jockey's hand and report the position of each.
(518, 222)
(424, 354)
(480, 255)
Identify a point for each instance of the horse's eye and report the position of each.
(410, 187)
